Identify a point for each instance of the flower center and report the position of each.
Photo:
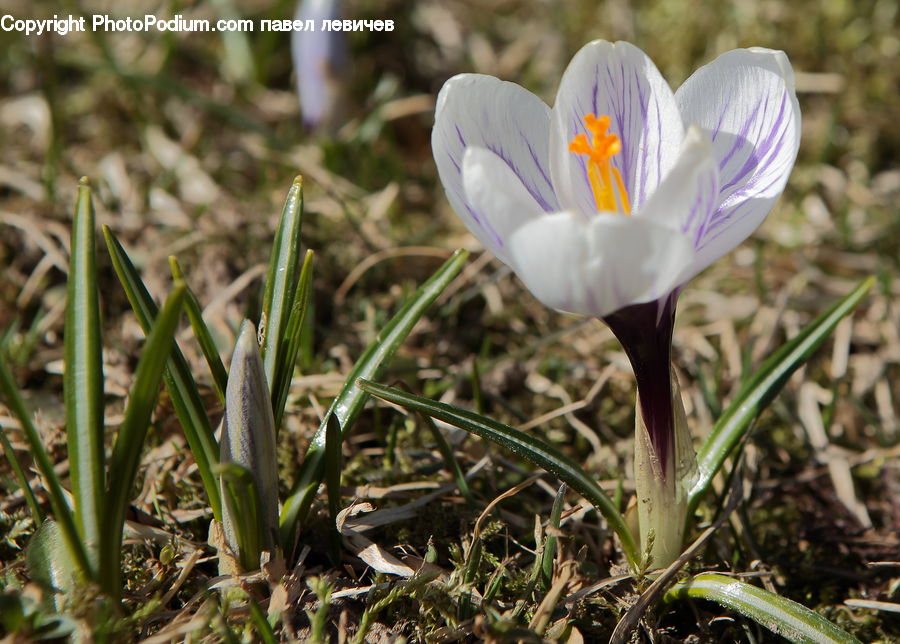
(606, 182)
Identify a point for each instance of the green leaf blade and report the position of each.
(126, 452)
(281, 281)
(292, 337)
(521, 444)
(351, 400)
(61, 510)
(202, 333)
(549, 553)
(762, 387)
(333, 469)
(263, 629)
(19, 473)
(243, 501)
(179, 381)
(446, 451)
(83, 378)
(782, 616)
(49, 561)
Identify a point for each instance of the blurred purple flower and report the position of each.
(319, 60)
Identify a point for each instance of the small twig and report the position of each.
(182, 577)
(360, 269)
(869, 604)
(593, 588)
(544, 611)
(490, 506)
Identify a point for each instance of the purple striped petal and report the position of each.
(689, 195)
(620, 81)
(492, 188)
(745, 99)
(481, 111)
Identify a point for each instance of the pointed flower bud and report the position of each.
(248, 440)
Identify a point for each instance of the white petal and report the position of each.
(687, 198)
(746, 100)
(511, 122)
(597, 266)
(493, 189)
(620, 81)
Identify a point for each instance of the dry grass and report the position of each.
(187, 160)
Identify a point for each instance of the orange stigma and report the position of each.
(606, 182)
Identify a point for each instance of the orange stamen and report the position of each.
(606, 182)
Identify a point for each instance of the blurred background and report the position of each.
(191, 141)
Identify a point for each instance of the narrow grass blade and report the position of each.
(225, 632)
(333, 468)
(549, 553)
(201, 332)
(260, 623)
(319, 619)
(281, 281)
(8, 333)
(33, 507)
(248, 440)
(126, 453)
(762, 387)
(524, 445)
(83, 378)
(787, 618)
(19, 353)
(13, 460)
(58, 501)
(350, 400)
(450, 460)
(291, 341)
(179, 381)
(466, 608)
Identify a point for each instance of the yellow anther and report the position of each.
(606, 182)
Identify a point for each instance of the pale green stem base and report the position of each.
(661, 486)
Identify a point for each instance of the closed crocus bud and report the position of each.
(319, 60)
(248, 440)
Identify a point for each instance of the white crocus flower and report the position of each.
(609, 202)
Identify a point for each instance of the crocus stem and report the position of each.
(645, 332)
(662, 487)
(664, 458)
